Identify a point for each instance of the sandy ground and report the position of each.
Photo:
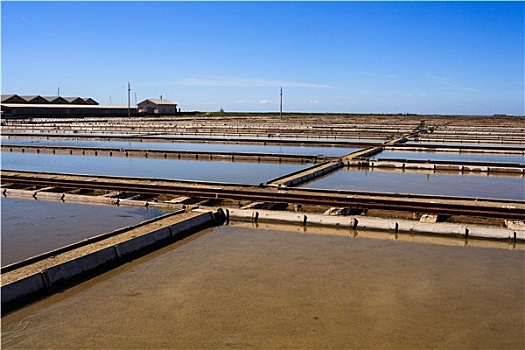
(289, 121)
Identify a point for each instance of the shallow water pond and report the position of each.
(238, 287)
(31, 227)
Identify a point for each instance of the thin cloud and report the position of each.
(209, 103)
(265, 102)
(449, 82)
(244, 82)
(377, 75)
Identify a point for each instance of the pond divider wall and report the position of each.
(58, 277)
(372, 223)
(303, 175)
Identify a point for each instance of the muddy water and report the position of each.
(31, 227)
(236, 287)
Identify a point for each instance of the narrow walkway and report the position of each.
(322, 169)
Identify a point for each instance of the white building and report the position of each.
(157, 107)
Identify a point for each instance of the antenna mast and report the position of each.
(281, 105)
(129, 92)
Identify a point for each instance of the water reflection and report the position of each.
(218, 171)
(241, 288)
(467, 157)
(31, 227)
(423, 182)
(383, 235)
(181, 146)
(456, 142)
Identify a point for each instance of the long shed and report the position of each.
(23, 110)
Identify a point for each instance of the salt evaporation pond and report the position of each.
(217, 171)
(274, 137)
(31, 227)
(181, 146)
(466, 156)
(236, 287)
(423, 182)
(449, 142)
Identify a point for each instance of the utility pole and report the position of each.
(129, 92)
(281, 105)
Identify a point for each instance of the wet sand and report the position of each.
(235, 287)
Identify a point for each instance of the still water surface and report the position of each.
(376, 180)
(466, 157)
(423, 182)
(274, 137)
(179, 146)
(218, 171)
(31, 227)
(450, 142)
(233, 287)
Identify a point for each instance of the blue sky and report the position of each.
(350, 57)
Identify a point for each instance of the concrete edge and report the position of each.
(83, 199)
(300, 176)
(373, 223)
(84, 242)
(165, 154)
(56, 278)
(435, 166)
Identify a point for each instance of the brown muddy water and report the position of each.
(240, 287)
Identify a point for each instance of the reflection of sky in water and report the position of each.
(227, 136)
(31, 227)
(473, 143)
(219, 171)
(275, 137)
(213, 147)
(481, 186)
(467, 157)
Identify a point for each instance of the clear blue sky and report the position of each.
(378, 57)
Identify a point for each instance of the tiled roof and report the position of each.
(49, 99)
(159, 102)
